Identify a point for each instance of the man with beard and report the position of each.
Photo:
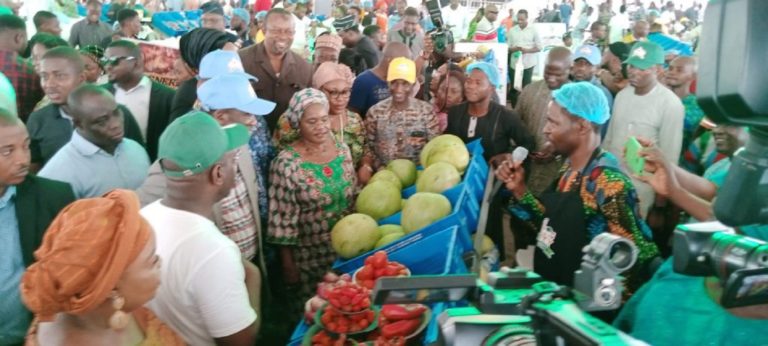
(28, 204)
(592, 194)
(532, 108)
(98, 158)
(409, 33)
(499, 129)
(50, 127)
(648, 110)
(586, 62)
(149, 101)
(280, 71)
(240, 24)
(693, 302)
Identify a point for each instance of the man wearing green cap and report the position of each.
(648, 110)
(591, 196)
(210, 295)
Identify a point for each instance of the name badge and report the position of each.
(546, 238)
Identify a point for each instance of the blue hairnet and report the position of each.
(243, 14)
(490, 71)
(260, 15)
(583, 100)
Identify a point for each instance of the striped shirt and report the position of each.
(237, 220)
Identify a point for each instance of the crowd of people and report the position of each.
(133, 212)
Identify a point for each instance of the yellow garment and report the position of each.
(259, 37)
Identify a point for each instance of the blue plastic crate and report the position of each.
(438, 253)
(463, 216)
(184, 21)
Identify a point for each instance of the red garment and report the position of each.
(262, 5)
(24, 80)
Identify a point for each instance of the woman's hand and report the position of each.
(663, 179)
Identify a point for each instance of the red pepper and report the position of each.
(400, 328)
(395, 312)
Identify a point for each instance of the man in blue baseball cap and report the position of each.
(586, 63)
(230, 100)
(498, 127)
(591, 196)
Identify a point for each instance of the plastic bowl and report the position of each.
(371, 327)
(354, 275)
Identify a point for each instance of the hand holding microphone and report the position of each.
(511, 173)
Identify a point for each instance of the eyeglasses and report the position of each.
(284, 32)
(493, 12)
(115, 60)
(338, 93)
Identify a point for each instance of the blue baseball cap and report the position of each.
(584, 100)
(491, 71)
(232, 91)
(588, 52)
(221, 62)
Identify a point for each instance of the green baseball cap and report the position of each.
(645, 54)
(195, 141)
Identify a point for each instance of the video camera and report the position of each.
(439, 35)
(518, 307)
(730, 93)
(741, 263)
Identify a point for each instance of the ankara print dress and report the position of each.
(306, 200)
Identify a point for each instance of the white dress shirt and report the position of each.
(525, 38)
(458, 20)
(137, 101)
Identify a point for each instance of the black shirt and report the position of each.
(184, 99)
(368, 50)
(500, 129)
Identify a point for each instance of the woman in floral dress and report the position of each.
(312, 184)
(335, 81)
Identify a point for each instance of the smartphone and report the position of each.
(635, 162)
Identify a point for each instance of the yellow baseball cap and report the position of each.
(402, 68)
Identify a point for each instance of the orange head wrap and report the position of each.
(84, 253)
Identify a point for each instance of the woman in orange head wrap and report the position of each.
(95, 270)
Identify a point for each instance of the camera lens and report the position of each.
(620, 255)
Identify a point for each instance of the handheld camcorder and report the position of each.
(740, 262)
(730, 92)
(518, 307)
(439, 35)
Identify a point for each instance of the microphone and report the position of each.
(518, 155)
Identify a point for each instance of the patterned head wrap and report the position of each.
(331, 71)
(329, 41)
(84, 253)
(94, 52)
(299, 103)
